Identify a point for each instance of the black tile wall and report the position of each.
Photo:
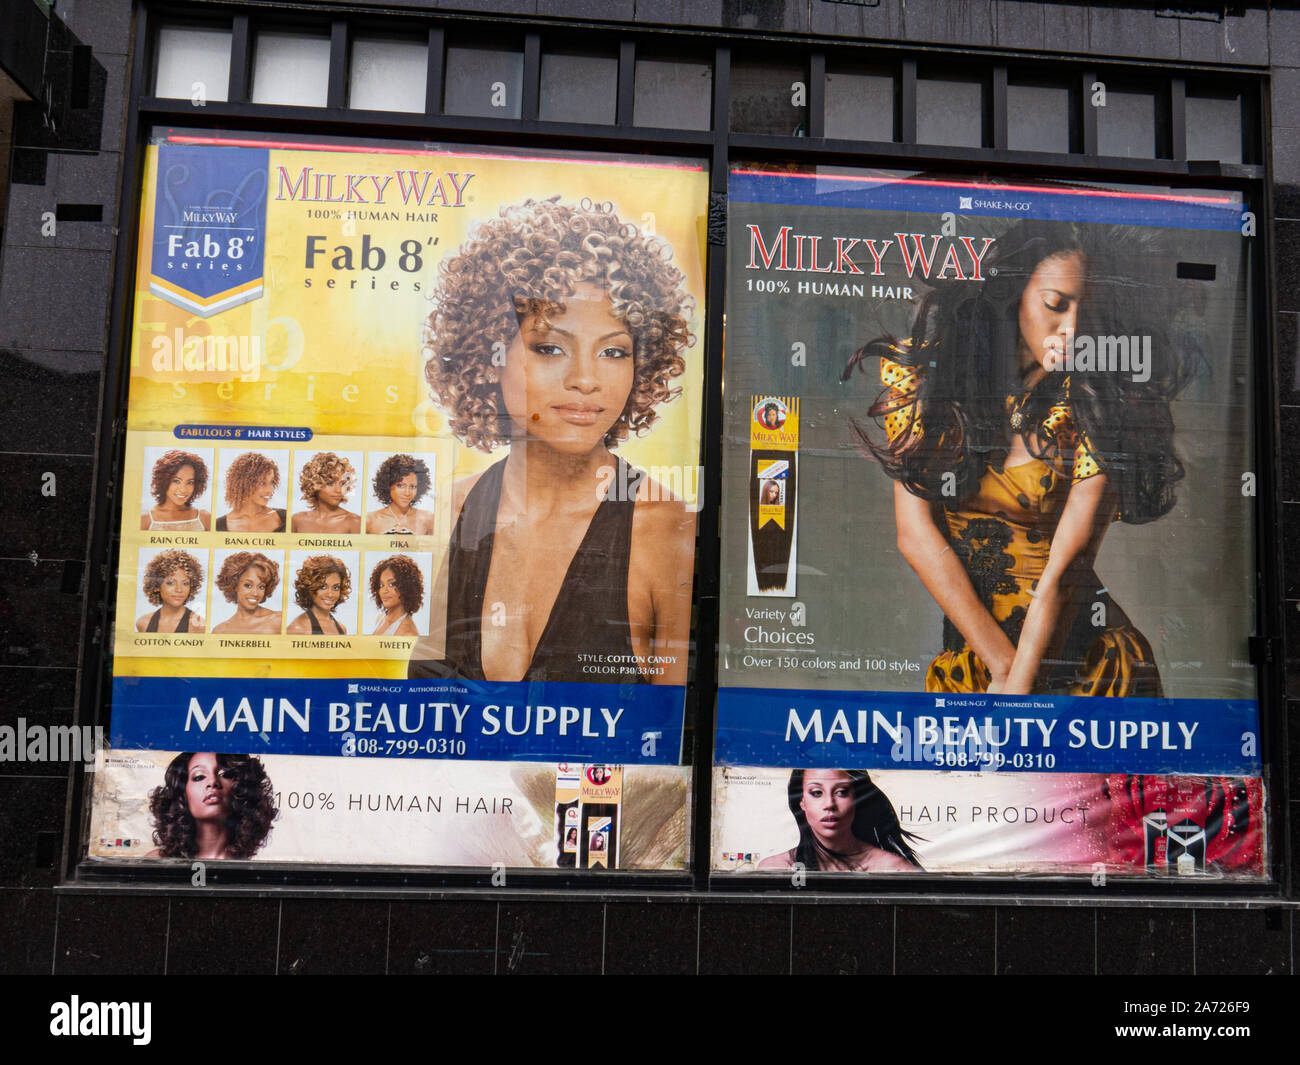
(842, 940)
(550, 938)
(1243, 942)
(608, 10)
(1237, 36)
(678, 12)
(1293, 732)
(1019, 25)
(1121, 31)
(942, 22)
(745, 939)
(27, 916)
(651, 938)
(333, 937)
(54, 298)
(39, 623)
(29, 807)
(1288, 357)
(442, 938)
(108, 26)
(122, 935)
(1144, 942)
(1288, 265)
(1291, 549)
(944, 939)
(45, 516)
(229, 936)
(1042, 940)
(34, 379)
(1290, 429)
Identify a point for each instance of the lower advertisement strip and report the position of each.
(904, 822)
(370, 811)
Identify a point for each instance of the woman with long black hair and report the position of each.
(846, 825)
(1014, 444)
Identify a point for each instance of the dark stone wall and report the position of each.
(54, 309)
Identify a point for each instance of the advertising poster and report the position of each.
(408, 507)
(988, 526)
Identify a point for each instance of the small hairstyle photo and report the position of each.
(248, 596)
(253, 490)
(400, 493)
(174, 489)
(212, 806)
(327, 497)
(326, 595)
(396, 593)
(170, 592)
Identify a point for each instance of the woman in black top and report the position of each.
(171, 580)
(321, 587)
(557, 330)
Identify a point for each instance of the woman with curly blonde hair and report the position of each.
(251, 481)
(248, 580)
(398, 590)
(179, 478)
(171, 580)
(324, 483)
(321, 587)
(557, 330)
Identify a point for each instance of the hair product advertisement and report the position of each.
(1014, 635)
(410, 476)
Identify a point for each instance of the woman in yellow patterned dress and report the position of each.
(1009, 470)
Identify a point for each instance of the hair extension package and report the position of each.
(773, 469)
(587, 804)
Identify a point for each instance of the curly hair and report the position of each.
(246, 473)
(233, 568)
(312, 576)
(527, 262)
(165, 469)
(410, 585)
(162, 565)
(393, 469)
(252, 808)
(325, 467)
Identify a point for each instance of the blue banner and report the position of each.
(209, 227)
(911, 730)
(625, 724)
(892, 192)
(294, 433)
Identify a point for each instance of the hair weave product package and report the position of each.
(773, 485)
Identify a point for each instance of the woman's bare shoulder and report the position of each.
(889, 862)
(460, 491)
(778, 862)
(660, 516)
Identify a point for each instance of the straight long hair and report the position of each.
(874, 821)
(964, 344)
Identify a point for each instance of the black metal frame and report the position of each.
(717, 146)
